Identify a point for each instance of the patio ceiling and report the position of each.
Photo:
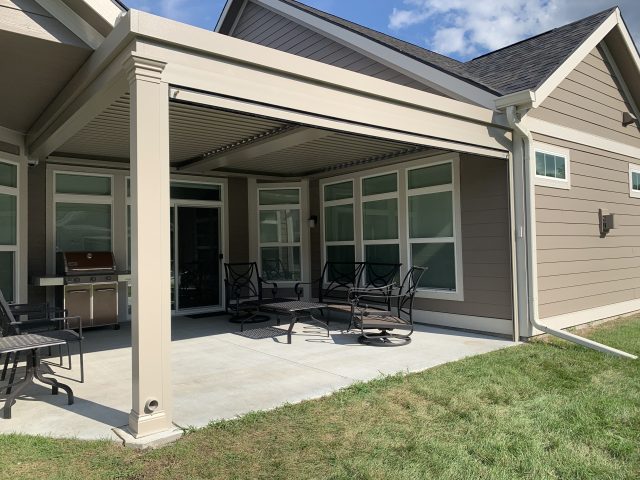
(208, 140)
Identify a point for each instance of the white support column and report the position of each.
(151, 314)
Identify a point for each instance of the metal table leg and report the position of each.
(33, 372)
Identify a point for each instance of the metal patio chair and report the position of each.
(368, 314)
(54, 323)
(244, 293)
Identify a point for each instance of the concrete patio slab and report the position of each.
(219, 373)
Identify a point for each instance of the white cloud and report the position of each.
(465, 28)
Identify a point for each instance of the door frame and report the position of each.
(222, 247)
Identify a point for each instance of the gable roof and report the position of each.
(521, 66)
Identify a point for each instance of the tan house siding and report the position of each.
(577, 269)
(485, 242)
(238, 225)
(590, 99)
(264, 27)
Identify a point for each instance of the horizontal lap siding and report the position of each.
(577, 269)
(485, 242)
(238, 208)
(264, 27)
(590, 99)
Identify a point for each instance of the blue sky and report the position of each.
(461, 29)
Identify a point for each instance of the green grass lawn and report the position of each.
(541, 410)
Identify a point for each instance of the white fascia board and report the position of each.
(633, 51)
(70, 19)
(583, 138)
(187, 37)
(556, 78)
(107, 9)
(422, 72)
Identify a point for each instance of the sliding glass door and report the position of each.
(195, 257)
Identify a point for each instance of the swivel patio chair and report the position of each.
(244, 293)
(368, 315)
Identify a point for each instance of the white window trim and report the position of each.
(543, 181)
(395, 195)
(403, 228)
(300, 243)
(334, 203)
(454, 188)
(84, 199)
(15, 192)
(633, 168)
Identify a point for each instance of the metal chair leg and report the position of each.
(7, 359)
(12, 377)
(81, 361)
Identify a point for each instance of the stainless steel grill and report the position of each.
(90, 287)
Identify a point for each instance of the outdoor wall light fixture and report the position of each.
(313, 221)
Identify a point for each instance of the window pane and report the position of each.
(282, 226)
(550, 165)
(280, 263)
(560, 168)
(8, 220)
(83, 227)
(380, 219)
(129, 237)
(431, 215)
(338, 191)
(338, 221)
(382, 184)
(382, 253)
(195, 191)
(635, 177)
(540, 169)
(8, 175)
(6, 275)
(83, 184)
(430, 176)
(439, 258)
(341, 253)
(290, 196)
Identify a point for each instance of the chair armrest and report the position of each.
(63, 322)
(274, 288)
(299, 291)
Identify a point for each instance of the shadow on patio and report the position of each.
(220, 373)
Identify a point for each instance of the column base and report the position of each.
(155, 440)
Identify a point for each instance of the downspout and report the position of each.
(516, 122)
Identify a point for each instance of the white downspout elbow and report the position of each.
(532, 271)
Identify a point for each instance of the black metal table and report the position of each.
(31, 343)
(297, 310)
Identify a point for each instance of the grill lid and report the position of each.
(87, 262)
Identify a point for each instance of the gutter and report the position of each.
(519, 126)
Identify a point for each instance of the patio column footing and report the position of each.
(148, 442)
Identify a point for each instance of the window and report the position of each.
(279, 233)
(9, 230)
(339, 234)
(83, 214)
(431, 225)
(634, 180)
(409, 215)
(552, 166)
(380, 237)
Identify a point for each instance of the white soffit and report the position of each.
(74, 22)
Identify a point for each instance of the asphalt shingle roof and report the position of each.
(523, 65)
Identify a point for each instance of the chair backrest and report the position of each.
(7, 320)
(337, 278)
(242, 280)
(380, 274)
(408, 290)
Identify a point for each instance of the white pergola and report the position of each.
(157, 62)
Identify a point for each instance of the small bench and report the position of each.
(339, 277)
